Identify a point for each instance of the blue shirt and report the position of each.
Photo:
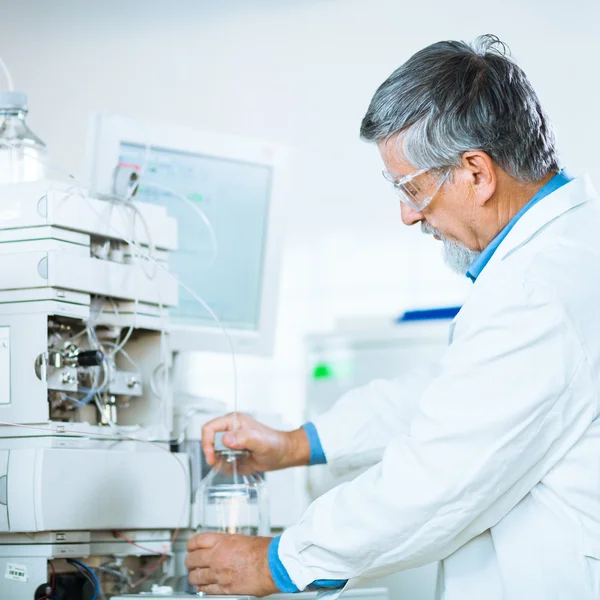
(482, 260)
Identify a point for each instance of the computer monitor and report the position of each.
(239, 185)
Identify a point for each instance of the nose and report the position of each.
(409, 215)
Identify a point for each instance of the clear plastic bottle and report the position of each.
(21, 151)
(233, 497)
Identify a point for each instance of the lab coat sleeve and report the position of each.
(515, 393)
(356, 430)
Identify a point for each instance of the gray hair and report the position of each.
(452, 97)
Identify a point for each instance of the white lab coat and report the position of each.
(497, 471)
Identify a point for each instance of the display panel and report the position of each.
(235, 197)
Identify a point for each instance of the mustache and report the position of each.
(427, 229)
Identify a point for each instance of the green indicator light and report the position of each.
(323, 371)
(195, 197)
(342, 370)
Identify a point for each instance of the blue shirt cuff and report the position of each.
(282, 579)
(329, 584)
(278, 571)
(317, 454)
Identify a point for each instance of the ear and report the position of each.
(480, 170)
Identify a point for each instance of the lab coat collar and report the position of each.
(576, 192)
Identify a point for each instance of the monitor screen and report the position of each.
(234, 196)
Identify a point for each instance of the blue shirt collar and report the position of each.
(482, 260)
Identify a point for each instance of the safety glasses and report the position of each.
(418, 189)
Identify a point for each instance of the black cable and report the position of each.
(86, 575)
(89, 575)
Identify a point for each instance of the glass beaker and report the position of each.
(233, 496)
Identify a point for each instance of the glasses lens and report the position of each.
(408, 198)
(419, 192)
(412, 191)
(418, 189)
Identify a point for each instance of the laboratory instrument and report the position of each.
(99, 455)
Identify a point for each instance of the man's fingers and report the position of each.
(243, 439)
(203, 541)
(212, 590)
(202, 577)
(194, 560)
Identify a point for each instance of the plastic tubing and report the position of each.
(196, 297)
(199, 212)
(9, 79)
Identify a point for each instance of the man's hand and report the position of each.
(230, 564)
(269, 448)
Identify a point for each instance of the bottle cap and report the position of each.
(14, 100)
(219, 445)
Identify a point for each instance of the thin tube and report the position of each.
(95, 581)
(138, 213)
(121, 351)
(91, 392)
(199, 212)
(121, 345)
(198, 299)
(118, 348)
(118, 433)
(9, 79)
(202, 303)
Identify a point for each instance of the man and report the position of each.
(497, 471)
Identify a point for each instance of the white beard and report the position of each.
(456, 255)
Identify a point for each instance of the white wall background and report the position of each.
(297, 72)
